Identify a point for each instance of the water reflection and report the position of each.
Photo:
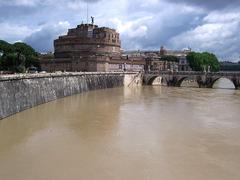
(149, 132)
(189, 82)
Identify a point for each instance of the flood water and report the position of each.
(145, 133)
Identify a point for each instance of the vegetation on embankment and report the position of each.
(17, 57)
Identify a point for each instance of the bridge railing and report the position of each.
(224, 73)
(193, 73)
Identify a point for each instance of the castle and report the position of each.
(98, 49)
(90, 48)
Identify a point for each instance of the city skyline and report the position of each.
(203, 26)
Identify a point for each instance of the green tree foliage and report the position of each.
(17, 57)
(6, 47)
(201, 61)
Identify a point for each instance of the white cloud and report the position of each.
(222, 17)
(64, 24)
(14, 32)
(218, 33)
(42, 39)
(20, 2)
(132, 29)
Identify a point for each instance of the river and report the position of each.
(145, 133)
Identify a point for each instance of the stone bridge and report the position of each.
(204, 80)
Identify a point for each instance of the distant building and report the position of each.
(160, 64)
(180, 54)
(183, 64)
(229, 66)
(90, 48)
(164, 60)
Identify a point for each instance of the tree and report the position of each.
(6, 47)
(9, 62)
(17, 57)
(27, 56)
(201, 61)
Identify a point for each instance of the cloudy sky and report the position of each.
(203, 25)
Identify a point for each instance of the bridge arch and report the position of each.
(182, 79)
(153, 78)
(223, 78)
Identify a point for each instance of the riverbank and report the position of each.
(23, 91)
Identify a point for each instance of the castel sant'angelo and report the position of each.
(90, 48)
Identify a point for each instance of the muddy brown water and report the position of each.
(148, 133)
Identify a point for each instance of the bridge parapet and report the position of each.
(194, 73)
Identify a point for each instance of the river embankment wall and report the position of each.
(21, 92)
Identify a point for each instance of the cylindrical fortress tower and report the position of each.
(88, 40)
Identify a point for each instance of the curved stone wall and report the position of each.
(20, 92)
